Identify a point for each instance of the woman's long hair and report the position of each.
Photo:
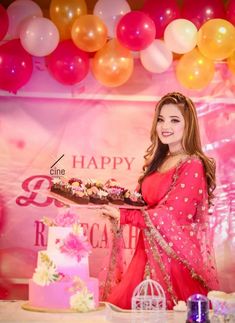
(157, 151)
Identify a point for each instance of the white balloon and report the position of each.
(156, 58)
(110, 12)
(180, 36)
(18, 11)
(39, 36)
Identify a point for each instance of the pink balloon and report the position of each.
(4, 22)
(135, 30)
(199, 11)
(162, 13)
(16, 66)
(230, 11)
(68, 64)
(39, 36)
(18, 11)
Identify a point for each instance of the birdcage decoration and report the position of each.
(149, 296)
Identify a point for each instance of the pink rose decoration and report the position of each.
(75, 246)
(65, 220)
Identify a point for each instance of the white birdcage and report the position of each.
(149, 296)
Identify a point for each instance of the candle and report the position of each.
(197, 309)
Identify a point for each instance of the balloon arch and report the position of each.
(196, 34)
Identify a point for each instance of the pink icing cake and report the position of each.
(61, 279)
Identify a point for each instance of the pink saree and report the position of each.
(174, 246)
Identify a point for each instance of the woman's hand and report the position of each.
(110, 212)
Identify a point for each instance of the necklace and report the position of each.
(176, 153)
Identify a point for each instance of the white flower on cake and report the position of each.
(46, 271)
(82, 301)
(44, 274)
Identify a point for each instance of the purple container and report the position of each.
(197, 309)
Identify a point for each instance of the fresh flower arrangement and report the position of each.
(75, 245)
(66, 219)
(82, 300)
(46, 272)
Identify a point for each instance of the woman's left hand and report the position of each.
(111, 212)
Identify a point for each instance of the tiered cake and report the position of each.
(61, 279)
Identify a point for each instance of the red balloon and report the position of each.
(162, 13)
(4, 22)
(68, 64)
(230, 11)
(136, 30)
(199, 11)
(16, 66)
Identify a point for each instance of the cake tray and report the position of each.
(89, 205)
(28, 307)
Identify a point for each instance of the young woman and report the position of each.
(174, 247)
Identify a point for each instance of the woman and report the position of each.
(174, 247)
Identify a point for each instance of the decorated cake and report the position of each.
(96, 192)
(115, 191)
(134, 198)
(72, 189)
(61, 280)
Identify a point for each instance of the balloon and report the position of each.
(156, 58)
(4, 22)
(16, 66)
(230, 11)
(110, 12)
(113, 64)
(136, 30)
(89, 33)
(39, 36)
(162, 13)
(216, 39)
(18, 11)
(231, 62)
(180, 36)
(68, 64)
(195, 71)
(199, 11)
(64, 12)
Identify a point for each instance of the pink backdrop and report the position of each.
(101, 136)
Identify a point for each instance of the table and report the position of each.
(10, 311)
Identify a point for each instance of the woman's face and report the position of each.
(170, 126)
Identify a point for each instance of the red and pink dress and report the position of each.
(174, 247)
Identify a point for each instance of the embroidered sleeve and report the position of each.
(182, 202)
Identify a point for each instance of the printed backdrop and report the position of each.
(99, 139)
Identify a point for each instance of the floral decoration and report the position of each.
(81, 300)
(75, 246)
(66, 219)
(46, 272)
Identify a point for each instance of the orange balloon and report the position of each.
(113, 64)
(89, 33)
(64, 12)
(231, 62)
(195, 71)
(216, 39)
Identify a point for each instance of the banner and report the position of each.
(98, 139)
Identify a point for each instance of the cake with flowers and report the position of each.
(96, 192)
(134, 198)
(72, 189)
(115, 191)
(61, 280)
